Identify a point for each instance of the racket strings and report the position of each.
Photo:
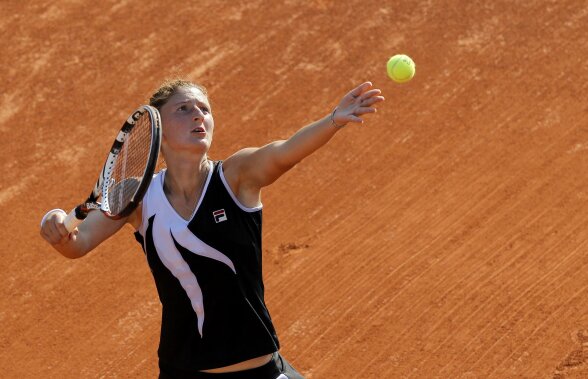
(129, 168)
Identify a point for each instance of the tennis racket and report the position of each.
(128, 169)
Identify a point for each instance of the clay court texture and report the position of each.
(447, 237)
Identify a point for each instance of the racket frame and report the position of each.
(79, 213)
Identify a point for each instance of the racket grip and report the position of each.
(71, 221)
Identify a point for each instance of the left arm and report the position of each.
(250, 169)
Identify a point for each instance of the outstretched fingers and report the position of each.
(358, 112)
(364, 110)
(366, 101)
(370, 93)
(360, 89)
(357, 102)
(369, 98)
(371, 101)
(353, 118)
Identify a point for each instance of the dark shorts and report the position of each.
(276, 368)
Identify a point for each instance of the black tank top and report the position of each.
(208, 273)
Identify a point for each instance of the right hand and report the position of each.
(53, 230)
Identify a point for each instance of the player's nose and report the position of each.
(198, 115)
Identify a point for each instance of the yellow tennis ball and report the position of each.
(400, 68)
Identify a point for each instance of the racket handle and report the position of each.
(71, 221)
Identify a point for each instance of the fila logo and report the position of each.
(219, 216)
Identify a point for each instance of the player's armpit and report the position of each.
(255, 167)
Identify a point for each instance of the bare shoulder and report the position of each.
(236, 164)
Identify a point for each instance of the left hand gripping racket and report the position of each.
(128, 170)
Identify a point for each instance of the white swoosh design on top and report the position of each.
(175, 263)
(186, 238)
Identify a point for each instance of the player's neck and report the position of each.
(185, 178)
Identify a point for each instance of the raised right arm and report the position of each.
(95, 229)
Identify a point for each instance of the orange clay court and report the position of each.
(447, 237)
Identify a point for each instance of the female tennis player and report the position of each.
(199, 225)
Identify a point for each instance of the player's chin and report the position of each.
(198, 137)
(200, 143)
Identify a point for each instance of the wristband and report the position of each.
(333, 120)
(49, 213)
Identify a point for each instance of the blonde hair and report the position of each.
(169, 88)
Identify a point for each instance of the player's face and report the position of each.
(187, 121)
